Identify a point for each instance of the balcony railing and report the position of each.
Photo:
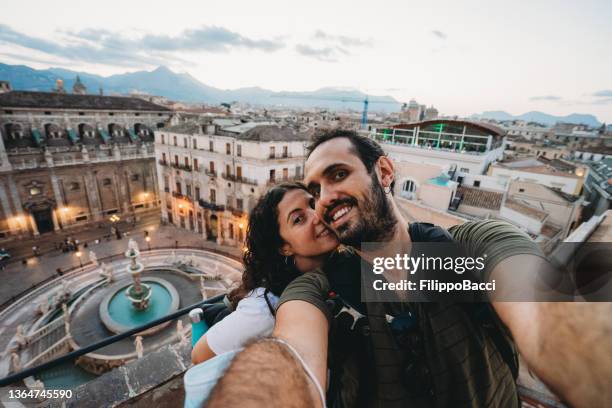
(210, 173)
(176, 194)
(280, 156)
(211, 206)
(183, 167)
(237, 212)
(239, 179)
(297, 177)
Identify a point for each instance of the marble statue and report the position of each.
(93, 258)
(139, 346)
(133, 246)
(15, 363)
(106, 271)
(179, 332)
(20, 338)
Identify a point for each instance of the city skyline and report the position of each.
(464, 58)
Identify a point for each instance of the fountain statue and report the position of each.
(93, 258)
(20, 337)
(106, 271)
(15, 363)
(139, 346)
(138, 293)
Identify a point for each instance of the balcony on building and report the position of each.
(453, 136)
(210, 206)
(239, 179)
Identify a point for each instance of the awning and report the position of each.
(37, 137)
(133, 135)
(72, 135)
(105, 135)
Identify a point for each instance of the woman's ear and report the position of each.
(285, 250)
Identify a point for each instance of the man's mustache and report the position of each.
(342, 201)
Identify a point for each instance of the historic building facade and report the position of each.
(211, 176)
(71, 159)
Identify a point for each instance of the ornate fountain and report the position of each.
(138, 293)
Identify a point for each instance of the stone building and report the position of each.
(211, 176)
(67, 160)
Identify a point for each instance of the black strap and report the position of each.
(269, 303)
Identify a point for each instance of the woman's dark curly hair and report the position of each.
(264, 265)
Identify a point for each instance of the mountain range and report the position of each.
(540, 117)
(184, 87)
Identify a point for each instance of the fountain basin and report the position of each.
(119, 315)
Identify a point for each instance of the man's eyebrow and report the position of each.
(331, 168)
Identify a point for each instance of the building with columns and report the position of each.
(68, 160)
(211, 176)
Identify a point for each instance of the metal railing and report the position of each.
(11, 379)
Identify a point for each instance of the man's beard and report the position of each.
(376, 221)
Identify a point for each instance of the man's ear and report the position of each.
(386, 169)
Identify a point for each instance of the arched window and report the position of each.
(75, 186)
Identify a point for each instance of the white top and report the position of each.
(252, 319)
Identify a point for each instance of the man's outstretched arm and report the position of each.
(281, 371)
(567, 344)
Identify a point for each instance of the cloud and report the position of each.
(103, 46)
(343, 40)
(545, 98)
(603, 101)
(439, 34)
(326, 54)
(606, 93)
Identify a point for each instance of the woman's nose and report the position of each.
(315, 218)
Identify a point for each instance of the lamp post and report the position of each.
(148, 239)
(79, 254)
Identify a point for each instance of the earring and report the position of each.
(287, 261)
(387, 191)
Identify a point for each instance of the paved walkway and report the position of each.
(17, 277)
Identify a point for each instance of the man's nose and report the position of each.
(326, 198)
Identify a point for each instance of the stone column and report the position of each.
(91, 189)
(219, 229)
(58, 199)
(16, 200)
(6, 207)
(30, 219)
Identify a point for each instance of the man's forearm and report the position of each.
(568, 345)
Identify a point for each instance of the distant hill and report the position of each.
(183, 87)
(540, 117)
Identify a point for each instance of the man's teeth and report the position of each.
(340, 213)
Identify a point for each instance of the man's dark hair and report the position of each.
(365, 148)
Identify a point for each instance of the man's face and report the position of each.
(350, 200)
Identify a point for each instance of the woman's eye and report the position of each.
(340, 175)
(298, 219)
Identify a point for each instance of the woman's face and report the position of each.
(304, 234)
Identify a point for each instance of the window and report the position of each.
(272, 175)
(163, 158)
(228, 148)
(272, 152)
(285, 151)
(195, 143)
(211, 146)
(228, 170)
(213, 196)
(107, 182)
(34, 191)
(174, 140)
(231, 230)
(185, 142)
(298, 172)
(187, 162)
(409, 190)
(285, 173)
(239, 150)
(476, 183)
(163, 139)
(176, 162)
(135, 177)
(521, 190)
(239, 204)
(166, 184)
(188, 189)
(75, 186)
(238, 172)
(197, 193)
(464, 170)
(195, 164)
(211, 167)
(179, 188)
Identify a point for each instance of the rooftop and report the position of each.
(525, 209)
(541, 165)
(477, 197)
(268, 133)
(49, 100)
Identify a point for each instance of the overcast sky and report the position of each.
(461, 56)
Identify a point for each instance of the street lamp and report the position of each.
(148, 239)
(79, 254)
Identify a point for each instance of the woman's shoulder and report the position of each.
(257, 299)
